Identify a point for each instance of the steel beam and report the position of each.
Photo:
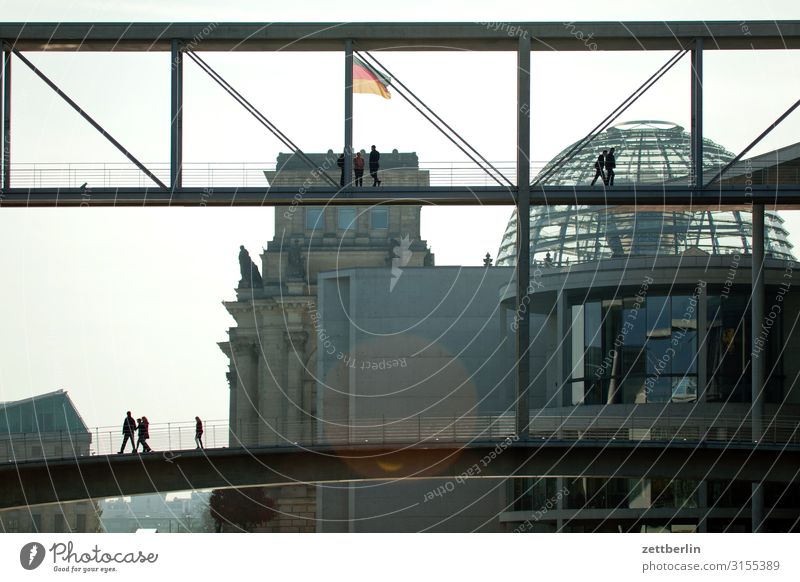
(696, 124)
(6, 117)
(757, 364)
(776, 196)
(402, 36)
(523, 236)
(59, 480)
(348, 112)
(176, 117)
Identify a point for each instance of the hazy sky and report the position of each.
(123, 307)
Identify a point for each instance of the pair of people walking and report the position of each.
(604, 167)
(131, 427)
(358, 168)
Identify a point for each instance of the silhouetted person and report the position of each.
(374, 166)
(611, 163)
(358, 168)
(340, 163)
(548, 260)
(144, 434)
(128, 428)
(198, 432)
(598, 167)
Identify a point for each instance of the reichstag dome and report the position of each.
(647, 153)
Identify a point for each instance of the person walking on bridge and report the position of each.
(144, 434)
(599, 166)
(198, 432)
(358, 168)
(374, 166)
(128, 428)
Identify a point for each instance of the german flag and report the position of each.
(368, 80)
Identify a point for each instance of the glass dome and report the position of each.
(647, 152)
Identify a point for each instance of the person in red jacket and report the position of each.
(144, 434)
(358, 168)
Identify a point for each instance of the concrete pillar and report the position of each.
(702, 347)
(757, 360)
(696, 124)
(523, 235)
(6, 117)
(348, 112)
(176, 118)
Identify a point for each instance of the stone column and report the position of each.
(272, 373)
(298, 421)
(244, 364)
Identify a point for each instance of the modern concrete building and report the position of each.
(46, 426)
(643, 326)
(640, 324)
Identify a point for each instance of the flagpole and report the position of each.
(348, 111)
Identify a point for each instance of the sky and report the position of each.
(123, 307)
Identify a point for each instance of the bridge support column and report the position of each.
(522, 425)
(176, 118)
(696, 125)
(6, 115)
(348, 112)
(757, 359)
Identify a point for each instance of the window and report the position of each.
(80, 525)
(347, 218)
(58, 523)
(314, 218)
(379, 218)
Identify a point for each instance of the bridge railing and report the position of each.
(176, 436)
(438, 173)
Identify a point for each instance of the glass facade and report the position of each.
(634, 350)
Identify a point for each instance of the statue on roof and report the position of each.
(251, 277)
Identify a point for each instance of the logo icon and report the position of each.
(31, 555)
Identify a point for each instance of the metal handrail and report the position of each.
(635, 427)
(251, 174)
